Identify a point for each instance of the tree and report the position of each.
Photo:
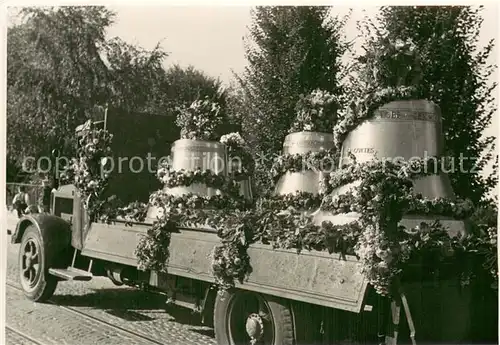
(185, 85)
(454, 76)
(290, 51)
(54, 73)
(136, 76)
(60, 66)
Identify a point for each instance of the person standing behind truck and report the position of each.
(21, 201)
(46, 192)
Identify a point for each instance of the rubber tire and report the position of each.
(46, 284)
(280, 311)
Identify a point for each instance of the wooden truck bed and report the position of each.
(312, 277)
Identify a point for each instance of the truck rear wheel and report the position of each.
(37, 284)
(243, 317)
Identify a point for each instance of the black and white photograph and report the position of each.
(249, 173)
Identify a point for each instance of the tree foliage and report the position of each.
(54, 74)
(454, 74)
(290, 51)
(61, 65)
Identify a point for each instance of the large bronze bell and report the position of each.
(190, 155)
(403, 129)
(304, 180)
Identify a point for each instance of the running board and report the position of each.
(71, 273)
(184, 301)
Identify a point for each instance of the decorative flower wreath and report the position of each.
(384, 248)
(390, 71)
(323, 160)
(391, 62)
(316, 112)
(176, 178)
(85, 173)
(241, 162)
(192, 210)
(363, 108)
(200, 120)
(298, 201)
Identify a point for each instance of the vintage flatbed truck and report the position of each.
(289, 298)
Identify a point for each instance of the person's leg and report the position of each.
(18, 209)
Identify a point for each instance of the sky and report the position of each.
(211, 38)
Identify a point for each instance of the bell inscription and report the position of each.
(303, 142)
(406, 114)
(399, 130)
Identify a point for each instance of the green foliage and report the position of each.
(185, 85)
(136, 76)
(453, 72)
(60, 66)
(199, 120)
(54, 75)
(292, 51)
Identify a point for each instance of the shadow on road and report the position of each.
(127, 304)
(205, 332)
(113, 299)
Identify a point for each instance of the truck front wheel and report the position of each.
(37, 284)
(243, 317)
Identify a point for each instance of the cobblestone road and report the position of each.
(130, 310)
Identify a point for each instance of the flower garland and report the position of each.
(85, 173)
(200, 120)
(188, 177)
(389, 71)
(85, 169)
(362, 108)
(153, 249)
(230, 260)
(391, 62)
(241, 164)
(487, 245)
(218, 212)
(298, 201)
(323, 160)
(112, 209)
(384, 247)
(190, 201)
(316, 112)
(412, 169)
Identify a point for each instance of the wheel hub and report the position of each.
(255, 327)
(29, 262)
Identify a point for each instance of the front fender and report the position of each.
(54, 231)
